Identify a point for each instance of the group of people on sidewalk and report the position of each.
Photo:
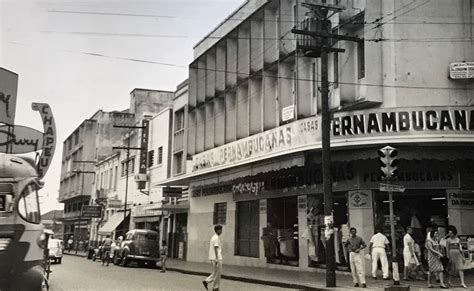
(443, 255)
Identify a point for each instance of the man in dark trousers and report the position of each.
(215, 256)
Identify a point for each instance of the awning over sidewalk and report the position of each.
(112, 223)
(174, 208)
(154, 218)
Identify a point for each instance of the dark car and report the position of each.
(140, 246)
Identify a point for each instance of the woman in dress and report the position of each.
(409, 257)
(434, 258)
(456, 258)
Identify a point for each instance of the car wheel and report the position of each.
(59, 260)
(116, 260)
(125, 259)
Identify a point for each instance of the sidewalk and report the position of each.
(292, 279)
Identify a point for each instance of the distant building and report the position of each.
(91, 143)
(52, 220)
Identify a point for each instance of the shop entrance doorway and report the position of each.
(419, 209)
(281, 231)
(315, 229)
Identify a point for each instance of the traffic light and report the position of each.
(388, 162)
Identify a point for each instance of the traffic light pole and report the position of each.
(396, 275)
(389, 167)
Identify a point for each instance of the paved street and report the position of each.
(77, 273)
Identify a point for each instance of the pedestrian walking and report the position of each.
(355, 244)
(409, 258)
(70, 243)
(456, 257)
(435, 266)
(163, 256)
(377, 248)
(215, 256)
(106, 248)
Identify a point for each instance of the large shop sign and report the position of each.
(378, 126)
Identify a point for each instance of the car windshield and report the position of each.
(146, 236)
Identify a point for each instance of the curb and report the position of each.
(250, 280)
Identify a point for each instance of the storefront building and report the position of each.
(272, 208)
(254, 133)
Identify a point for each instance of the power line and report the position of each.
(283, 37)
(109, 13)
(115, 34)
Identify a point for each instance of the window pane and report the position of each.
(28, 205)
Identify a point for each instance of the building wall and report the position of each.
(149, 102)
(408, 68)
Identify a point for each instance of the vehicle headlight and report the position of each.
(4, 242)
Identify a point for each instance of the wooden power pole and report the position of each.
(316, 42)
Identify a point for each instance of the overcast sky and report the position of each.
(54, 45)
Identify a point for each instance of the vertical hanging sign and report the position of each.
(143, 154)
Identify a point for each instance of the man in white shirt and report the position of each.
(378, 244)
(215, 256)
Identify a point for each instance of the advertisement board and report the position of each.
(8, 92)
(91, 211)
(354, 128)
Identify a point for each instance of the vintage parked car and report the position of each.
(140, 246)
(55, 249)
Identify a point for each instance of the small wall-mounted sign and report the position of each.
(461, 70)
(288, 113)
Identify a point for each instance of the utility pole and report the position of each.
(315, 42)
(82, 195)
(143, 151)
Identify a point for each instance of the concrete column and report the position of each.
(263, 223)
(361, 216)
(302, 223)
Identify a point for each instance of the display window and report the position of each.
(314, 232)
(280, 236)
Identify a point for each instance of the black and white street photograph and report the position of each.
(221, 145)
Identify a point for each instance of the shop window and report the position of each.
(314, 232)
(220, 211)
(247, 230)
(280, 235)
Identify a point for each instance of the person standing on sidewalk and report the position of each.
(355, 244)
(163, 256)
(215, 256)
(378, 244)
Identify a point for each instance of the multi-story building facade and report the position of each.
(92, 144)
(254, 133)
(91, 141)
